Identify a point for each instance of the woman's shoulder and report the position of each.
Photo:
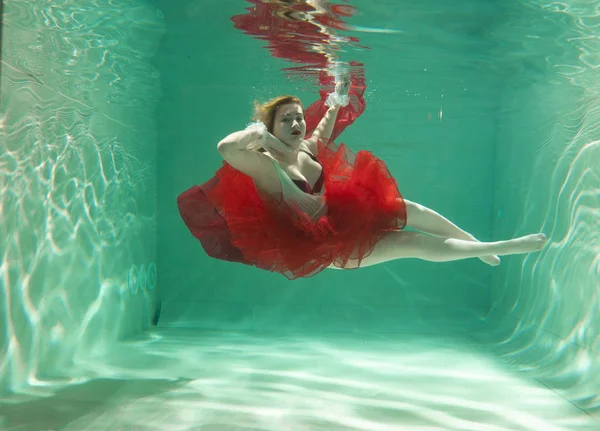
(310, 145)
(306, 147)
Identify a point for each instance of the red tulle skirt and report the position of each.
(236, 223)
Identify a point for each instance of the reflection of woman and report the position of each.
(296, 206)
(298, 31)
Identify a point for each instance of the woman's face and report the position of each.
(289, 125)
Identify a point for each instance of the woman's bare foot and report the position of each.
(527, 243)
(524, 244)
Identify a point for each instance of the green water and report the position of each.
(487, 112)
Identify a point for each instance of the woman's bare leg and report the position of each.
(402, 244)
(428, 221)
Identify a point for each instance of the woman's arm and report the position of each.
(336, 100)
(237, 150)
(323, 130)
(240, 150)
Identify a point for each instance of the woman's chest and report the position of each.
(304, 170)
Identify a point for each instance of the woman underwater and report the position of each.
(295, 205)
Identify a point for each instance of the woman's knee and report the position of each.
(414, 213)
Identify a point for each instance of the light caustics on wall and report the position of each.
(77, 181)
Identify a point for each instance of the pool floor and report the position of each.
(184, 379)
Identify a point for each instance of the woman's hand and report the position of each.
(274, 145)
(261, 138)
(339, 97)
(342, 87)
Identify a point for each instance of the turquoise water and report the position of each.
(486, 112)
